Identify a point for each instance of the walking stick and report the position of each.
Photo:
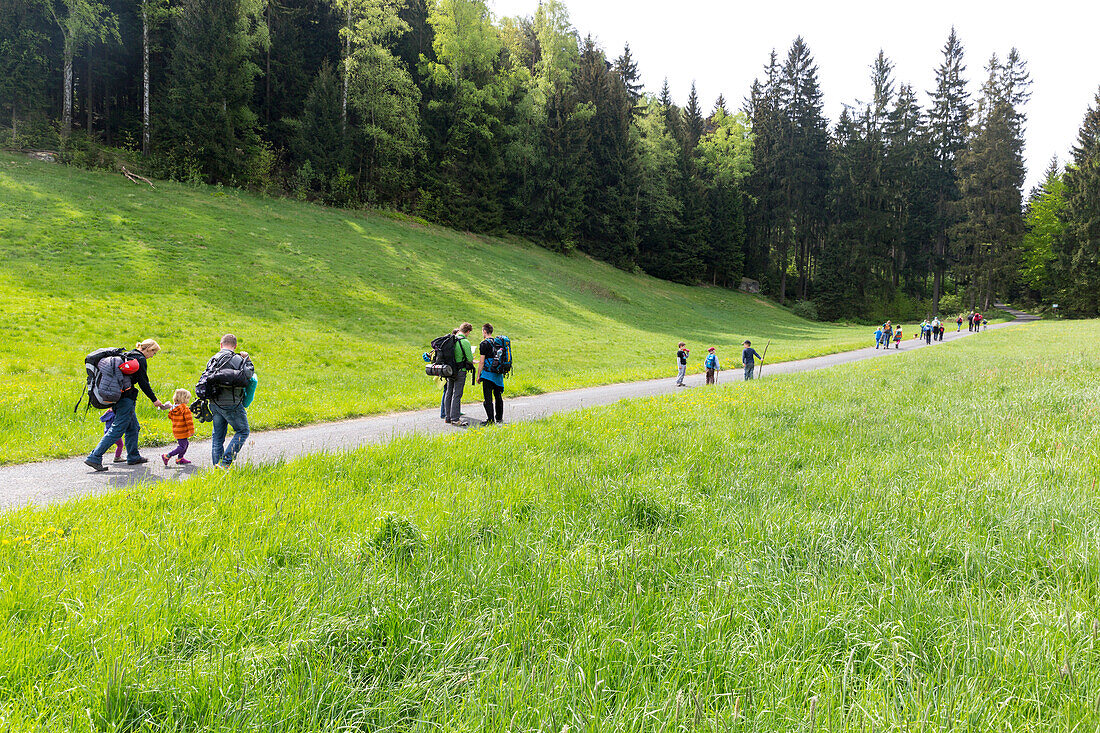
(763, 355)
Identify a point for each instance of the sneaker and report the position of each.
(120, 459)
(459, 424)
(182, 462)
(137, 461)
(164, 457)
(97, 466)
(221, 467)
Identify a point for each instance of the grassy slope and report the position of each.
(336, 302)
(911, 542)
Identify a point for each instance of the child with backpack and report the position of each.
(897, 338)
(183, 427)
(107, 418)
(711, 365)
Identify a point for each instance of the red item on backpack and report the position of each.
(129, 366)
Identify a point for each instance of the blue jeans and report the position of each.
(125, 424)
(224, 417)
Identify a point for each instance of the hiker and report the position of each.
(878, 337)
(748, 358)
(970, 321)
(887, 334)
(107, 418)
(681, 363)
(125, 423)
(464, 360)
(937, 329)
(445, 403)
(183, 428)
(897, 338)
(712, 366)
(927, 332)
(227, 402)
(978, 321)
(959, 323)
(492, 383)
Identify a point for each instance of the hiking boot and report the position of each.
(92, 464)
(458, 424)
(137, 461)
(120, 459)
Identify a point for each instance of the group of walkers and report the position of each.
(929, 330)
(225, 388)
(712, 366)
(493, 362)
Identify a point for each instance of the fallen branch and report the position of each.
(135, 178)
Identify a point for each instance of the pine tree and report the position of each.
(209, 124)
(1045, 227)
(1077, 250)
(948, 122)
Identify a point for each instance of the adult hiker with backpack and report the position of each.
(452, 359)
(225, 383)
(112, 376)
(494, 362)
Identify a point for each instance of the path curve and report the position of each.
(59, 480)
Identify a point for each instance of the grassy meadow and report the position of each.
(905, 544)
(335, 306)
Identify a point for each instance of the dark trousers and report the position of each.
(928, 336)
(493, 394)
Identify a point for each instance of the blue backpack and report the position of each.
(501, 360)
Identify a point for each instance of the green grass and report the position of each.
(899, 544)
(335, 306)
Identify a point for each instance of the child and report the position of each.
(878, 337)
(183, 427)
(681, 363)
(959, 323)
(107, 418)
(897, 338)
(748, 358)
(711, 365)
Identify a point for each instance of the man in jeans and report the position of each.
(227, 404)
(464, 358)
(681, 363)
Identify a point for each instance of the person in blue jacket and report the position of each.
(712, 366)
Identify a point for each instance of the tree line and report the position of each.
(524, 126)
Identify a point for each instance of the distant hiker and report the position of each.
(978, 321)
(226, 378)
(125, 423)
(492, 381)
(107, 418)
(878, 337)
(681, 363)
(959, 323)
(937, 329)
(183, 427)
(748, 358)
(926, 328)
(711, 365)
(897, 338)
(464, 359)
(970, 321)
(887, 334)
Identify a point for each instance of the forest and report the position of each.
(911, 203)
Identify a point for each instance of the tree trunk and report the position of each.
(347, 71)
(145, 132)
(88, 91)
(67, 92)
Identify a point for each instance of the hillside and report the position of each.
(795, 554)
(336, 306)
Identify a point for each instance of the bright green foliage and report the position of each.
(795, 554)
(24, 60)
(1045, 225)
(1078, 263)
(335, 306)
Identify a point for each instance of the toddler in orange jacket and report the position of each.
(183, 427)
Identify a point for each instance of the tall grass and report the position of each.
(335, 306)
(900, 544)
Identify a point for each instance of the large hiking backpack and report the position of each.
(220, 376)
(107, 376)
(501, 360)
(443, 363)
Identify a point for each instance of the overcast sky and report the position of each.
(723, 45)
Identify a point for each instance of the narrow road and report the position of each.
(58, 480)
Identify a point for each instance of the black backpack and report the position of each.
(443, 363)
(93, 375)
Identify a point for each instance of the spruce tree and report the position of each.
(1077, 265)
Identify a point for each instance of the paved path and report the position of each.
(58, 480)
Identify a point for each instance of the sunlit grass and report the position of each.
(335, 306)
(900, 544)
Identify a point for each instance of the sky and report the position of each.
(723, 45)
